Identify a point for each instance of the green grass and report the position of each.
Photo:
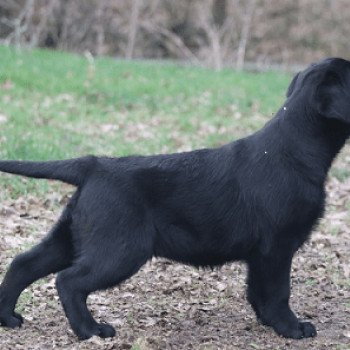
(56, 105)
(342, 174)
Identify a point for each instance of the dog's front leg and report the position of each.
(269, 291)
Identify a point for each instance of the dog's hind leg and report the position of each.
(53, 254)
(102, 264)
(269, 291)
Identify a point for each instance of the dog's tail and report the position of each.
(71, 171)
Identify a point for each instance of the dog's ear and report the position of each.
(332, 96)
(291, 86)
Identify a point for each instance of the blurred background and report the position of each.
(214, 33)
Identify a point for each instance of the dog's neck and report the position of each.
(307, 139)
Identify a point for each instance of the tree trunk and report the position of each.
(245, 33)
(133, 27)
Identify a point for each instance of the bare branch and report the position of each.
(175, 43)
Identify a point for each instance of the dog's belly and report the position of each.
(200, 248)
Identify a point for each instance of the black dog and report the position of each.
(255, 200)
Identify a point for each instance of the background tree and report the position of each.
(210, 32)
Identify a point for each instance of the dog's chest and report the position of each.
(294, 214)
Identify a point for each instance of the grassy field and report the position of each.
(57, 105)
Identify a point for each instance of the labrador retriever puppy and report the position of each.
(255, 200)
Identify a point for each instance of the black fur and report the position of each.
(256, 200)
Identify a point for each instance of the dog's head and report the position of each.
(327, 85)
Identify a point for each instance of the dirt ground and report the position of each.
(171, 306)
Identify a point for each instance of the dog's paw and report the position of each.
(106, 330)
(303, 330)
(13, 321)
(19, 316)
(307, 329)
(103, 330)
